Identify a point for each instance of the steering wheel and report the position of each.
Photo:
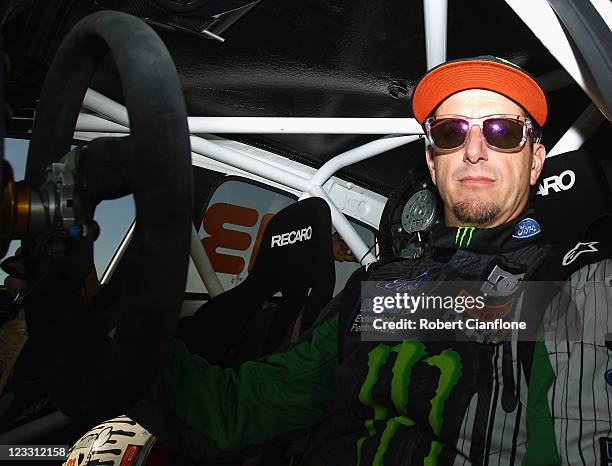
(90, 375)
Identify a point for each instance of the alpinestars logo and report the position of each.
(580, 248)
(291, 237)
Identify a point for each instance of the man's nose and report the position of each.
(475, 148)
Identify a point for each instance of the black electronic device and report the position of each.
(412, 209)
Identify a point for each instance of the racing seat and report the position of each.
(572, 193)
(295, 258)
(573, 204)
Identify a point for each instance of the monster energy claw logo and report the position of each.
(409, 354)
(462, 232)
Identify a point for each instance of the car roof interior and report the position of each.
(307, 58)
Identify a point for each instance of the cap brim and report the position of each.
(452, 77)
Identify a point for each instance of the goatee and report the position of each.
(475, 212)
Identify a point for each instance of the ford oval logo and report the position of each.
(526, 228)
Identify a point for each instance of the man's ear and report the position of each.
(429, 157)
(537, 163)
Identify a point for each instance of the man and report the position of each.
(413, 402)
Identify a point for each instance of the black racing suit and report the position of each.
(410, 402)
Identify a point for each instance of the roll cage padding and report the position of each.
(591, 36)
(90, 375)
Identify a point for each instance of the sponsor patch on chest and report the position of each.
(354, 327)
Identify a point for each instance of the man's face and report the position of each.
(480, 186)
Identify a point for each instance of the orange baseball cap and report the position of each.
(486, 72)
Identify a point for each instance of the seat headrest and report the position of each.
(298, 238)
(571, 193)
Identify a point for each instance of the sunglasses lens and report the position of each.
(503, 133)
(449, 133)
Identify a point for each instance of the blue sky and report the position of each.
(114, 217)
